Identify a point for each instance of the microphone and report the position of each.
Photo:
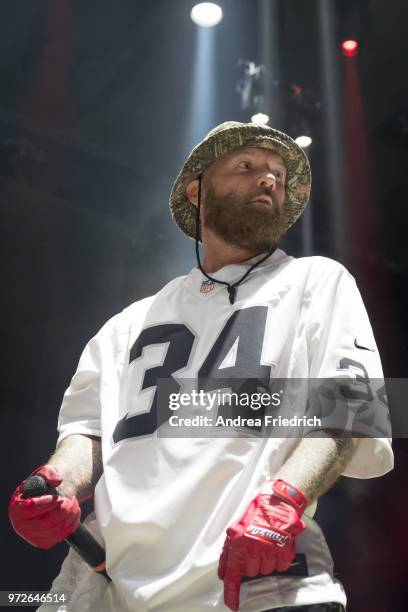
(82, 541)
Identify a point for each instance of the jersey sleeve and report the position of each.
(343, 348)
(80, 408)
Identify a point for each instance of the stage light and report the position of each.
(260, 119)
(303, 141)
(350, 48)
(206, 14)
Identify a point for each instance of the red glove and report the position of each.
(46, 520)
(263, 540)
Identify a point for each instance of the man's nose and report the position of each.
(267, 179)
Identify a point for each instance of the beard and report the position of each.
(238, 221)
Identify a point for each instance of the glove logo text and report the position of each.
(277, 537)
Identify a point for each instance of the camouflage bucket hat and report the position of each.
(226, 138)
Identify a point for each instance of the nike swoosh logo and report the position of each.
(360, 346)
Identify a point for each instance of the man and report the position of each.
(163, 504)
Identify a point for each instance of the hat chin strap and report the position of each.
(231, 288)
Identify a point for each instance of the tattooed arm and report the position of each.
(79, 459)
(316, 463)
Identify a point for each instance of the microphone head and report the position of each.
(35, 486)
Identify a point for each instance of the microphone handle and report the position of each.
(81, 540)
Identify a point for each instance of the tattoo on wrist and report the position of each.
(316, 464)
(79, 459)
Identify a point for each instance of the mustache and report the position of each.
(260, 192)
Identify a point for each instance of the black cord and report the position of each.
(231, 288)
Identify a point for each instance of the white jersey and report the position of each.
(163, 504)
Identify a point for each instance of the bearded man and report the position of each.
(222, 518)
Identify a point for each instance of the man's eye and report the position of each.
(245, 164)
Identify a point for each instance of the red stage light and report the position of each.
(350, 48)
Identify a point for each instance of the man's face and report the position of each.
(244, 199)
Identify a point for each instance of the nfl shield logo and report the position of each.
(207, 286)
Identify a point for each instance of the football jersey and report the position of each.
(163, 503)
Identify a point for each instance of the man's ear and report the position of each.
(192, 191)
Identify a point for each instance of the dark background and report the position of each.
(97, 114)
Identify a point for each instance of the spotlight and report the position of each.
(206, 14)
(260, 119)
(303, 141)
(350, 48)
(296, 90)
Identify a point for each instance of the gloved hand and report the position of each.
(263, 540)
(46, 520)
